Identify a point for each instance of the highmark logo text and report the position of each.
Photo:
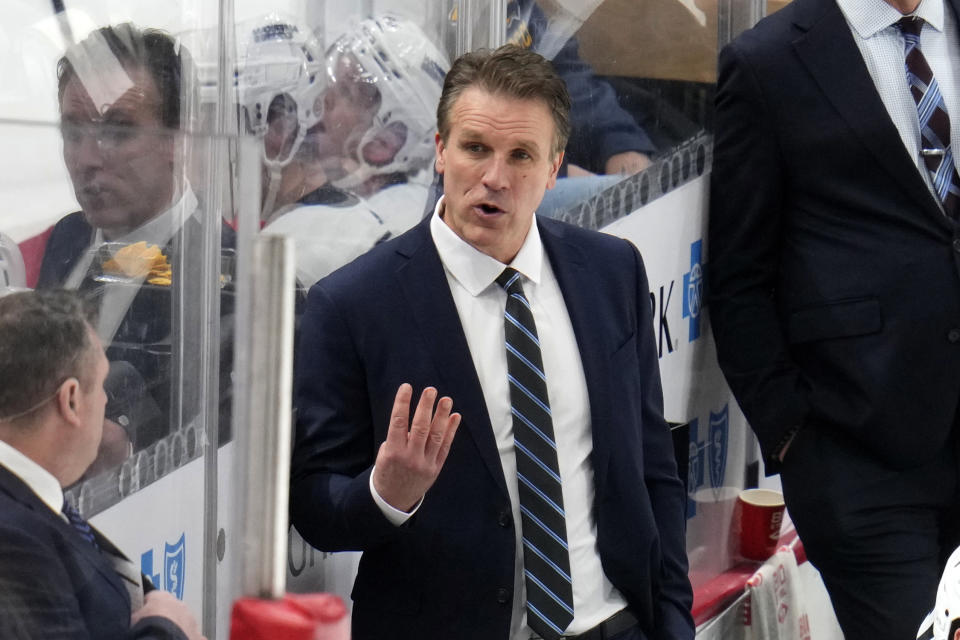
(693, 290)
(693, 294)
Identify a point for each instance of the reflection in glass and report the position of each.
(135, 249)
(347, 153)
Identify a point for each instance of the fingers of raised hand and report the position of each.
(439, 426)
(422, 423)
(453, 423)
(400, 417)
(408, 463)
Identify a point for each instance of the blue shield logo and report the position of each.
(719, 434)
(173, 563)
(695, 464)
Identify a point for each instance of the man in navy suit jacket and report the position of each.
(59, 577)
(834, 295)
(437, 516)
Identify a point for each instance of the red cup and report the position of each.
(757, 517)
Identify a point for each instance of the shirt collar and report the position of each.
(475, 270)
(869, 17)
(38, 479)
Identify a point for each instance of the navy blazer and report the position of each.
(56, 585)
(389, 318)
(834, 289)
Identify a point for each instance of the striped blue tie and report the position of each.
(932, 116)
(79, 524)
(546, 560)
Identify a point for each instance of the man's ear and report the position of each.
(554, 170)
(68, 400)
(439, 162)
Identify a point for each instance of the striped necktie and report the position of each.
(79, 524)
(127, 571)
(546, 560)
(933, 118)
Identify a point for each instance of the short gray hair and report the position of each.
(511, 71)
(44, 339)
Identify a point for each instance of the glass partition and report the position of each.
(165, 317)
(113, 185)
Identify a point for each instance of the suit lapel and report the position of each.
(20, 492)
(954, 5)
(424, 284)
(130, 576)
(827, 48)
(575, 278)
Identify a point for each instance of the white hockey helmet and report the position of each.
(947, 607)
(280, 64)
(395, 57)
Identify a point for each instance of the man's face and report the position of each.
(120, 166)
(497, 163)
(349, 105)
(382, 148)
(93, 397)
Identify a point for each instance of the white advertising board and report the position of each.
(670, 233)
(160, 528)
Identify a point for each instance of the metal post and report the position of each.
(498, 23)
(262, 406)
(217, 147)
(736, 16)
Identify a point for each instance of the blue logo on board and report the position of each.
(695, 463)
(172, 578)
(173, 563)
(708, 458)
(693, 290)
(719, 436)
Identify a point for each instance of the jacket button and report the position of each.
(504, 519)
(956, 245)
(953, 335)
(503, 596)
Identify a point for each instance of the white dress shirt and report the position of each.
(882, 46)
(480, 304)
(38, 479)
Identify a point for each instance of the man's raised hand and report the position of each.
(411, 457)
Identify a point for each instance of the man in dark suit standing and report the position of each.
(59, 577)
(835, 301)
(557, 509)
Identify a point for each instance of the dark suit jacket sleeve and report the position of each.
(156, 628)
(35, 591)
(667, 496)
(330, 501)
(37, 598)
(747, 223)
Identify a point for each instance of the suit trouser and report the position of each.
(879, 536)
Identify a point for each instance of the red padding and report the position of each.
(314, 616)
(32, 250)
(712, 597)
(715, 595)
